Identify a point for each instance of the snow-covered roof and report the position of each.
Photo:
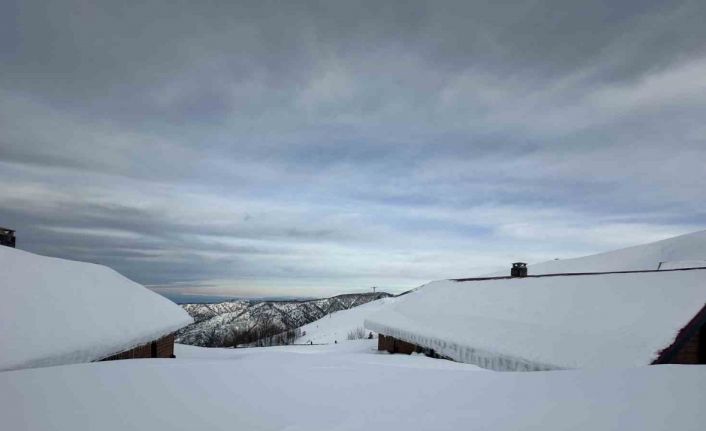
(681, 251)
(548, 322)
(56, 311)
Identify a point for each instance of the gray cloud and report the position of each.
(324, 146)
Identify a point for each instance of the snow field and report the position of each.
(347, 386)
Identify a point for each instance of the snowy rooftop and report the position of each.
(683, 251)
(548, 322)
(56, 311)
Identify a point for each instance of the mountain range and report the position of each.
(244, 321)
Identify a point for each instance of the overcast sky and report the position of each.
(312, 148)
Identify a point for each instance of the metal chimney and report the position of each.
(519, 269)
(7, 237)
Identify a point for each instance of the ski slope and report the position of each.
(335, 327)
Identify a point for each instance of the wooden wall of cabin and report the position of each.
(693, 351)
(393, 345)
(165, 347)
(161, 348)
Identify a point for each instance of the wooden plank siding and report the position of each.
(161, 348)
(393, 345)
(693, 351)
(689, 347)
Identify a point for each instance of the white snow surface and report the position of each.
(336, 326)
(549, 322)
(56, 311)
(347, 386)
(682, 251)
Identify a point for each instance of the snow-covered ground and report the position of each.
(336, 326)
(346, 386)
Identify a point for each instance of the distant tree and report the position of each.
(211, 338)
(356, 334)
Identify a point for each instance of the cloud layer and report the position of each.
(267, 148)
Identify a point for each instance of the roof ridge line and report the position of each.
(506, 277)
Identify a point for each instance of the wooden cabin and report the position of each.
(553, 321)
(56, 311)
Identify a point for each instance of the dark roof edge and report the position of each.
(566, 274)
(665, 355)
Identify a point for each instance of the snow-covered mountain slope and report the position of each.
(345, 386)
(336, 326)
(201, 312)
(214, 322)
(679, 252)
(56, 311)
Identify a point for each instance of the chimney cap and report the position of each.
(519, 264)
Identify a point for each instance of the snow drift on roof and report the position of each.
(56, 311)
(548, 322)
(679, 252)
